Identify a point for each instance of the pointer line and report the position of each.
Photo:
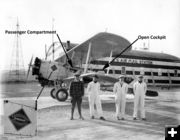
(123, 51)
(107, 64)
(62, 46)
(69, 60)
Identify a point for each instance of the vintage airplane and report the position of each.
(59, 73)
(91, 56)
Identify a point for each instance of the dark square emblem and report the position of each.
(54, 67)
(19, 119)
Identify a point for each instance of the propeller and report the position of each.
(30, 65)
(108, 64)
(69, 60)
(45, 52)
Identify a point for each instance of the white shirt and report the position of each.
(140, 87)
(118, 89)
(93, 88)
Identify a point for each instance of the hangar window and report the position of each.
(162, 81)
(110, 72)
(164, 74)
(150, 81)
(137, 72)
(155, 74)
(117, 72)
(172, 74)
(129, 72)
(175, 81)
(147, 73)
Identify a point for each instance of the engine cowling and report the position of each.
(36, 66)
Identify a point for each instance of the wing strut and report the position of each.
(110, 58)
(87, 58)
(46, 52)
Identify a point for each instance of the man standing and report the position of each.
(76, 92)
(120, 89)
(139, 88)
(93, 90)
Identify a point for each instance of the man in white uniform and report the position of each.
(139, 88)
(93, 90)
(120, 89)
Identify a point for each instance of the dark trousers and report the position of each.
(74, 101)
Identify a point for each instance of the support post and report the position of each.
(53, 68)
(110, 58)
(87, 58)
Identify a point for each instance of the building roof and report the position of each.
(151, 56)
(103, 43)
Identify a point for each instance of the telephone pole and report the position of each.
(17, 70)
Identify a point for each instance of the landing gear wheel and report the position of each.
(53, 93)
(62, 95)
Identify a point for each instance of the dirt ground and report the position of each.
(53, 123)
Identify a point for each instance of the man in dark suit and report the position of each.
(76, 92)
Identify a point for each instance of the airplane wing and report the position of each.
(101, 46)
(108, 81)
(87, 77)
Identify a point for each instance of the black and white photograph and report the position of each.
(89, 69)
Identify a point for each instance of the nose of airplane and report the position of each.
(36, 66)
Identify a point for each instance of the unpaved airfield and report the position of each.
(54, 123)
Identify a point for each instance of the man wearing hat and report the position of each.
(139, 89)
(76, 92)
(93, 90)
(120, 89)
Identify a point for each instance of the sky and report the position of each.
(78, 20)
